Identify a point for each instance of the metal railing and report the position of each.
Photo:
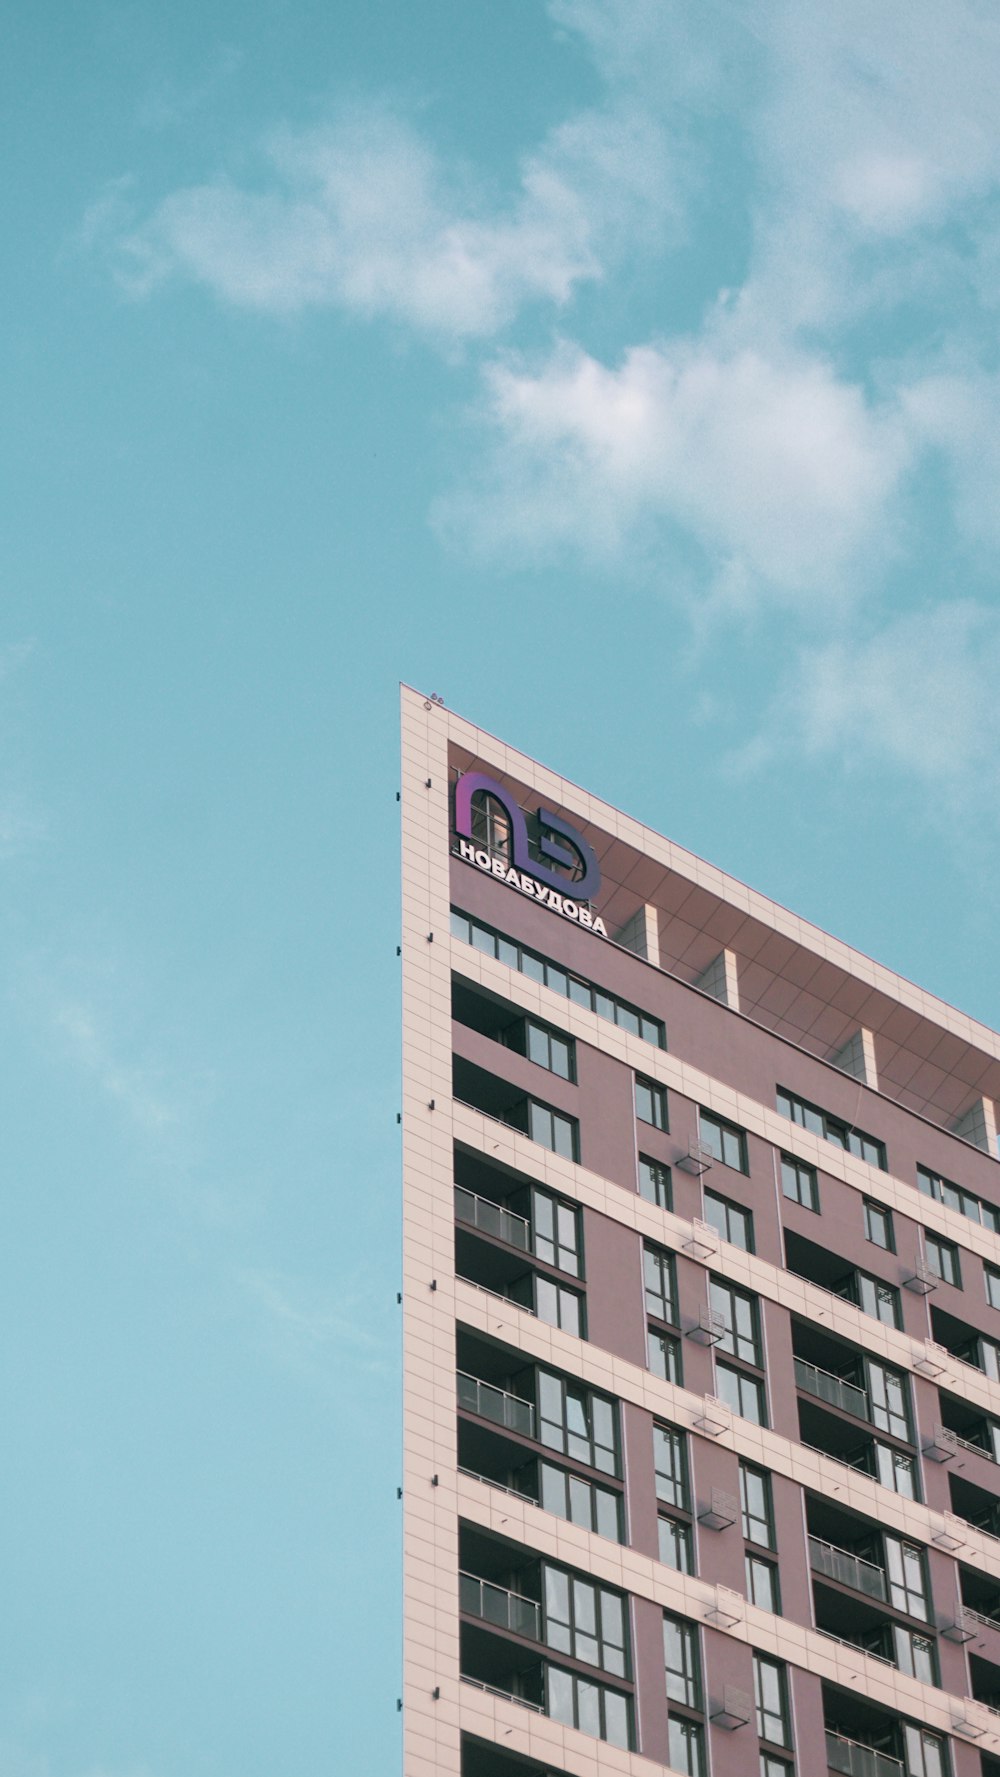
(857, 1760)
(493, 1690)
(496, 1404)
(857, 1647)
(979, 1616)
(498, 1295)
(832, 1389)
(472, 1474)
(492, 1218)
(499, 1606)
(979, 1449)
(849, 1569)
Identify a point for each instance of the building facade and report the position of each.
(701, 1254)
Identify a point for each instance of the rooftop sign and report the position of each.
(557, 840)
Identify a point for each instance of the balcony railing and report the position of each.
(978, 1449)
(832, 1389)
(496, 1404)
(857, 1647)
(858, 1760)
(496, 1605)
(849, 1569)
(492, 1218)
(493, 1690)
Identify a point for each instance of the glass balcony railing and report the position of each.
(832, 1389)
(492, 1218)
(848, 1569)
(860, 1761)
(496, 1605)
(496, 1404)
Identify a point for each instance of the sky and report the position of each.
(623, 371)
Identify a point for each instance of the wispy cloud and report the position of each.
(319, 1331)
(133, 1086)
(363, 215)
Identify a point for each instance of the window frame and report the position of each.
(764, 1715)
(943, 1259)
(689, 1672)
(873, 1212)
(712, 1120)
(734, 1297)
(659, 1117)
(810, 1200)
(595, 1489)
(749, 1516)
(512, 954)
(676, 1440)
(660, 1181)
(728, 1205)
(836, 1130)
(586, 1399)
(754, 1563)
(747, 1385)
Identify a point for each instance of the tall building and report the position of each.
(701, 1312)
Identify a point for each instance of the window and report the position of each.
(550, 1049)
(774, 1767)
(681, 1660)
(664, 1355)
(925, 1752)
(771, 1696)
(670, 1462)
(581, 1502)
(832, 1129)
(654, 1182)
(755, 1505)
(974, 1208)
(686, 1746)
(724, 1141)
(889, 1399)
(577, 1423)
(660, 1282)
(553, 1130)
(880, 1300)
(730, 1221)
(878, 1225)
(799, 1182)
(556, 1232)
(585, 1620)
(942, 1259)
(676, 1543)
(593, 1708)
(992, 1278)
(915, 1654)
(558, 980)
(896, 1470)
(556, 1306)
(743, 1394)
(762, 1583)
(904, 1565)
(650, 1102)
(741, 1334)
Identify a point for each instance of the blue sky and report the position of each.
(623, 371)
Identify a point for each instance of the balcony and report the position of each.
(848, 1569)
(836, 1391)
(500, 1607)
(493, 1219)
(858, 1760)
(497, 1405)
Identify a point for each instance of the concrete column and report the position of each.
(857, 1057)
(720, 980)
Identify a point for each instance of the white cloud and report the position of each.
(313, 1332)
(917, 696)
(363, 215)
(134, 1087)
(780, 470)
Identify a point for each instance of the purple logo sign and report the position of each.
(576, 855)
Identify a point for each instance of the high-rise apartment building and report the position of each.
(701, 1312)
